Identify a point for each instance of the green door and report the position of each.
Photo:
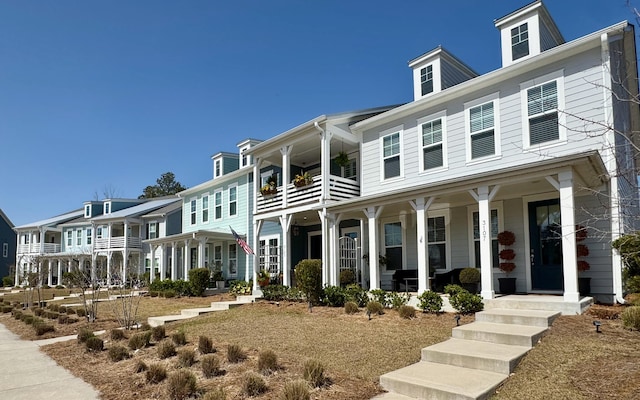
(545, 237)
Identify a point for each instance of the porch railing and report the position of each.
(48, 248)
(339, 189)
(117, 242)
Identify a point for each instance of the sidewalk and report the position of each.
(27, 373)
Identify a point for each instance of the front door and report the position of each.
(545, 237)
(315, 247)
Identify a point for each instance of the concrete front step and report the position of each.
(539, 302)
(427, 380)
(391, 396)
(517, 335)
(163, 319)
(494, 357)
(518, 317)
(194, 312)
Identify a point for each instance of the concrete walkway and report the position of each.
(27, 373)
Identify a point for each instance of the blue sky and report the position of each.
(111, 94)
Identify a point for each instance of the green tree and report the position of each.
(165, 185)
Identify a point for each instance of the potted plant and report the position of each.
(584, 283)
(342, 159)
(507, 285)
(469, 279)
(302, 180)
(263, 278)
(217, 275)
(270, 186)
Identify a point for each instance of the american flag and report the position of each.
(241, 242)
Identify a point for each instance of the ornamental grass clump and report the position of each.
(166, 349)
(139, 340)
(179, 338)
(156, 373)
(186, 358)
(253, 384)
(375, 308)
(314, 373)
(140, 366)
(215, 394)
(235, 354)
(267, 362)
(296, 390)
(158, 333)
(407, 312)
(631, 317)
(117, 334)
(94, 344)
(210, 365)
(351, 307)
(205, 345)
(84, 334)
(181, 385)
(118, 353)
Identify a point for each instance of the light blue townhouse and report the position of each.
(208, 213)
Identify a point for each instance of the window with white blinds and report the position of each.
(391, 155)
(482, 130)
(432, 151)
(542, 108)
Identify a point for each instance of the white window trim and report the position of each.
(558, 76)
(495, 98)
(230, 274)
(87, 210)
(235, 186)
(399, 130)
(89, 236)
(157, 226)
(107, 208)
(242, 150)
(191, 212)
(78, 237)
(442, 115)
(215, 205)
(5, 250)
(69, 238)
(213, 255)
(447, 234)
(266, 240)
(202, 209)
(217, 165)
(383, 247)
(497, 205)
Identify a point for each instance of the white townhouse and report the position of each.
(541, 147)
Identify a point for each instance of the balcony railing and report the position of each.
(117, 242)
(339, 189)
(48, 248)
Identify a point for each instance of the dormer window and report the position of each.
(217, 168)
(244, 159)
(87, 211)
(520, 41)
(426, 79)
(107, 208)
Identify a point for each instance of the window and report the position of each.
(233, 259)
(193, 212)
(25, 238)
(542, 109)
(437, 242)
(152, 230)
(432, 148)
(218, 168)
(519, 41)
(494, 238)
(87, 211)
(5, 250)
(244, 159)
(391, 155)
(99, 232)
(89, 236)
(350, 171)
(269, 255)
(482, 132)
(107, 208)
(393, 245)
(426, 79)
(78, 238)
(69, 238)
(217, 256)
(233, 201)
(205, 208)
(218, 204)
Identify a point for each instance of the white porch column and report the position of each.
(125, 265)
(257, 226)
(372, 214)
(109, 257)
(256, 184)
(163, 262)
(421, 206)
(186, 258)
(569, 256)
(152, 272)
(325, 246)
(174, 261)
(202, 241)
(50, 273)
(285, 223)
(334, 249)
(286, 173)
(59, 272)
(16, 281)
(484, 197)
(325, 162)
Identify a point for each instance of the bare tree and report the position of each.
(83, 279)
(123, 299)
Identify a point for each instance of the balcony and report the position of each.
(117, 242)
(48, 248)
(339, 189)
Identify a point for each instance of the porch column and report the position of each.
(285, 223)
(50, 273)
(421, 206)
(484, 197)
(174, 261)
(59, 272)
(325, 248)
(125, 264)
(109, 256)
(286, 173)
(16, 280)
(202, 241)
(186, 258)
(362, 245)
(152, 272)
(325, 162)
(163, 264)
(372, 214)
(334, 236)
(257, 226)
(569, 256)
(256, 183)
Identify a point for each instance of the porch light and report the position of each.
(597, 325)
(457, 318)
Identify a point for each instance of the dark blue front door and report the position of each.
(545, 237)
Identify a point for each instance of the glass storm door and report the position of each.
(545, 237)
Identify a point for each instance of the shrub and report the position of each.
(314, 373)
(267, 362)
(470, 275)
(205, 346)
(198, 279)
(466, 303)
(153, 293)
(17, 314)
(118, 353)
(84, 334)
(81, 312)
(398, 299)
(72, 320)
(235, 354)
(169, 293)
(275, 292)
(53, 307)
(27, 319)
(253, 384)
(381, 297)
(145, 326)
(631, 317)
(210, 365)
(6, 309)
(186, 357)
(430, 301)
(179, 338)
(356, 294)
(38, 311)
(70, 311)
(296, 390)
(407, 312)
(309, 279)
(350, 307)
(156, 373)
(63, 318)
(41, 328)
(181, 385)
(452, 290)
(239, 288)
(140, 366)
(139, 340)
(216, 394)
(375, 308)
(116, 334)
(334, 296)
(94, 344)
(347, 277)
(158, 333)
(633, 284)
(166, 349)
(62, 309)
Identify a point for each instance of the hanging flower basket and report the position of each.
(506, 238)
(342, 159)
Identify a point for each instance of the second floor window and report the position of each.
(89, 236)
(5, 250)
(152, 230)
(426, 80)
(233, 202)
(69, 238)
(432, 152)
(519, 42)
(542, 109)
(218, 205)
(391, 155)
(193, 212)
(78, 238)
(205, 208)
(482, 130)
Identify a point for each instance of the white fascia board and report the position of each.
(211, 183)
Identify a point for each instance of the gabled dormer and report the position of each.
(223, 163)
(437, 70)
(527, 32)
(92, 208)
(245, 159)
